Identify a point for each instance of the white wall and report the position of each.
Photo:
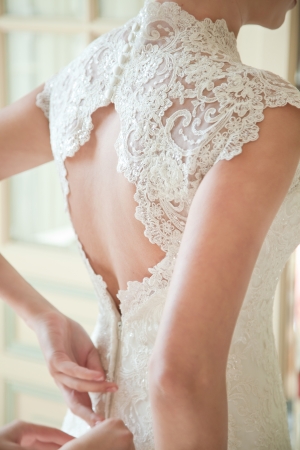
(266, 49)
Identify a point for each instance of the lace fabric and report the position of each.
(185, 102)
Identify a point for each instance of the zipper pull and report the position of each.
(119, 329)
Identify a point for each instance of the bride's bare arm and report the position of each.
(24, 136)
(228, 221)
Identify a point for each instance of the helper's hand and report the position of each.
(73, 361)
(111, 434)
(20, 435)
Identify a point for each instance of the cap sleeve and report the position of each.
(43, 98)
(242, 99)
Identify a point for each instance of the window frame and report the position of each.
(91, 26)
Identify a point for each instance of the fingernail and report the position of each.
(111, 389)
(98, 420)
(100, 378)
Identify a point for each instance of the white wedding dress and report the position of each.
(166, 58)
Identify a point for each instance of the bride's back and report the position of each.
(102, 208)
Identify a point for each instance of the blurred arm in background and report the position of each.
(72, 359)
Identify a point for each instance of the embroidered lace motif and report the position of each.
(185, 102)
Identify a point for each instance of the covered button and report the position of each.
(123, 59)
(127, 48)
(118, 70)
(135, 27)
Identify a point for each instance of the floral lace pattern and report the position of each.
(185, 102)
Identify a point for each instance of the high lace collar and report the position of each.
(214, 37)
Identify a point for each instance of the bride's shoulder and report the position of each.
(279, 97)
(251, 99)
(256, 87)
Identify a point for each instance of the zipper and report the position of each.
(119, 334)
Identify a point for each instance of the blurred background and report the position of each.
(37, 38)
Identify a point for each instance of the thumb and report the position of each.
(80, 404)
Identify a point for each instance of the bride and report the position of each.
(180, 169)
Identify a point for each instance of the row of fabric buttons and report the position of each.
(124, 57)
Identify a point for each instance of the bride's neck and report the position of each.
(213, 9)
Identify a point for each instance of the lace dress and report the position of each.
(166, 58)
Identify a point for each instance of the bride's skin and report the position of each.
(188, 366)
(267, 13)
